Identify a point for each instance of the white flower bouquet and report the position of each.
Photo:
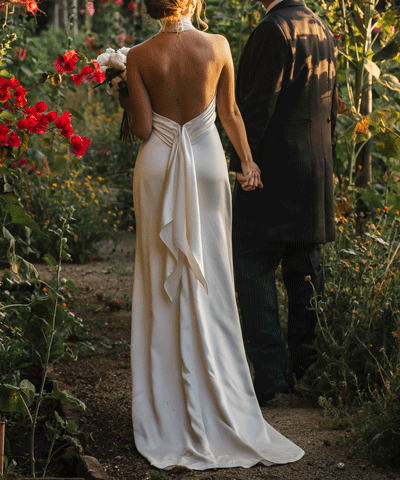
(113, 64)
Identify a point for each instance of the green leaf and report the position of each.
(26, 70)
(22, 268)
(19, 216)
(6, 115)
(7, 235)
(9, 197)
(16, 399)
(71, 426)
(71, 285)
(372, 68)
(49, 259)
(66, 397)
(389, 51)
(36, 155)
(390, 81)
(76, 114)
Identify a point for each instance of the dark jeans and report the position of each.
(258, 302)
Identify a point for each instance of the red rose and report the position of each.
(67, 132)
(4, 94)
(99, 77)
(22, 162)
(67, 62)
(40, 107)
(22, 124)
(3, 141)
(14, 140)
(77, 78)
(13, 83)
(63, 120)
(4, 130)
(31, 6)
(32, 121)
(79, 145)
(87, 70)
(19, 95)
(51, 116)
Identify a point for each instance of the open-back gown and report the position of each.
(193, 398)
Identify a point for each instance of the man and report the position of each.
(286, 91)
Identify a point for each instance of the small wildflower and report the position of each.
(386, 209)
(378, 209)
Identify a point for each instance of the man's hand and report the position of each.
(250, 181)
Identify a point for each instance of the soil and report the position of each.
(101, 378)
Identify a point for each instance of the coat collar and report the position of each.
(287, 3)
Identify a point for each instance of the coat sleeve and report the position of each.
(261, 71)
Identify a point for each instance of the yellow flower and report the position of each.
(341, 228)
(89, 177)
(357, 268)
(378, 209)
(54, 185)
(386, 209)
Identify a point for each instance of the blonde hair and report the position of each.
(171, 9)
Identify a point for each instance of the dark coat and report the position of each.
(286, 92)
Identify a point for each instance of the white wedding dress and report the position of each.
(193, 398)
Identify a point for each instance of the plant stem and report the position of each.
(48, 353)
(53, 441)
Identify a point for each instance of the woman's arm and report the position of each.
(232, 121)
(138, 104)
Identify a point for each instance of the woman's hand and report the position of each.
(250, 178)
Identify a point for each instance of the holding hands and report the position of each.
(250, 178)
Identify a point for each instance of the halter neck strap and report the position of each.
(178, 25)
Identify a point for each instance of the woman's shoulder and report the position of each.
(218, 42)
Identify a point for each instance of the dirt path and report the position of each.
(101, 378)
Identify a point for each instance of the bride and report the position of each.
(193, 399)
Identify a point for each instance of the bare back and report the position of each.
(180, 72)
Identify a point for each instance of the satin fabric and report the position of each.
(193, 398)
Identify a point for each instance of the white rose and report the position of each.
(117, 60)
(103, 59)
(124, 50)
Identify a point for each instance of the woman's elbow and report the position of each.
(143, 134)
(142, 131)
